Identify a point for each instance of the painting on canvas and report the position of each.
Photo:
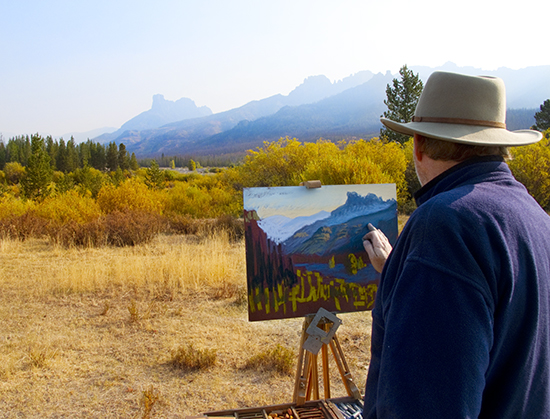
(304, 247)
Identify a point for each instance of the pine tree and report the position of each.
(72, 162)
(123, 157)
(401, 99)
(112, 157)
(542, 117)
(61, 159)
(134, 165)
(154, 177)
(97, 156)
(38, 174)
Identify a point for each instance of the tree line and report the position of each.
(68, 156)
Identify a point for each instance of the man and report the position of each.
(461, 324)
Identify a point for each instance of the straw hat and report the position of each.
(464, 109)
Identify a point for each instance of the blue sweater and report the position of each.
(462, 314)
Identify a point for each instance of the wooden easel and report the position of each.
(306, 386)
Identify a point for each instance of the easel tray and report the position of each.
(337, 408)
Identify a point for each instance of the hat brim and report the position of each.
(465, 134)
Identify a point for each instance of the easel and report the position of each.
(319, 332)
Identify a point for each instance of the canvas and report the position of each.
(304, 247)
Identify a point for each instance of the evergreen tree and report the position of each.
(542, 117)
(123, 157)
(3, 155)
(38, 174)
(154, 177)
(51, 149)
(84, 154)
(72, 156)
(97, 156)
(134, 165)
(112, 157)
(401, 99)
(61, 158)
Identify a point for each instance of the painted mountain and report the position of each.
(295, 265)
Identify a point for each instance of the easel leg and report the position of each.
(326, 375)
(350, 386)
(306, 386)
(302, 371)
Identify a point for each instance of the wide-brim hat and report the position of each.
(463, 109)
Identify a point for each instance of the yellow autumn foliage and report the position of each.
(130, 195)
(205, 197)
(69, 206)
(288, 162)
(531, 166)
(11, 206)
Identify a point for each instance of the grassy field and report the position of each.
(112, 332)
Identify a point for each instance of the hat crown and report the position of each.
(459, 96)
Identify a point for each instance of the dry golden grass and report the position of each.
(93, 332)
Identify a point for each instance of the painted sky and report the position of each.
(296, 201)
(74, 66)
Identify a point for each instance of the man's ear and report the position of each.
(418, 147)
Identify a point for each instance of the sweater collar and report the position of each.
(446, 179)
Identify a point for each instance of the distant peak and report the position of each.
(158, 100)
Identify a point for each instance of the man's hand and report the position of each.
(377, 246)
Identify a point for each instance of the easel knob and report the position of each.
(311, 184)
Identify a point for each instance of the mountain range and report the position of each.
(318, 108)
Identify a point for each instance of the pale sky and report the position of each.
(78, 65)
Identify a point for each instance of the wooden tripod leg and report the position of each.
(314, 379)
(326, 375)
(350, 386)
(302, 371)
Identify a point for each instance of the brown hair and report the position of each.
(450, 151)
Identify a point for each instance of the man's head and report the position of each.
(457, 152)
(459, 117)
(432, 157)
(463, 109)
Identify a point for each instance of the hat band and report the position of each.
(492, 124)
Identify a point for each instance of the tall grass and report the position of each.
(212, 266)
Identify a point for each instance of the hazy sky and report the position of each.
(77, 65)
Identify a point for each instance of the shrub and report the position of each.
(131, 228)
(11, 206)
(130, 195)
(183, 224)
(14, 172)
(69, 207)
(23, 226)
(205, 197)
(288, 162)
(234, 227)
(278, 163)
(279, 359)
(90, 234)
(187, 357)
(531, 166)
